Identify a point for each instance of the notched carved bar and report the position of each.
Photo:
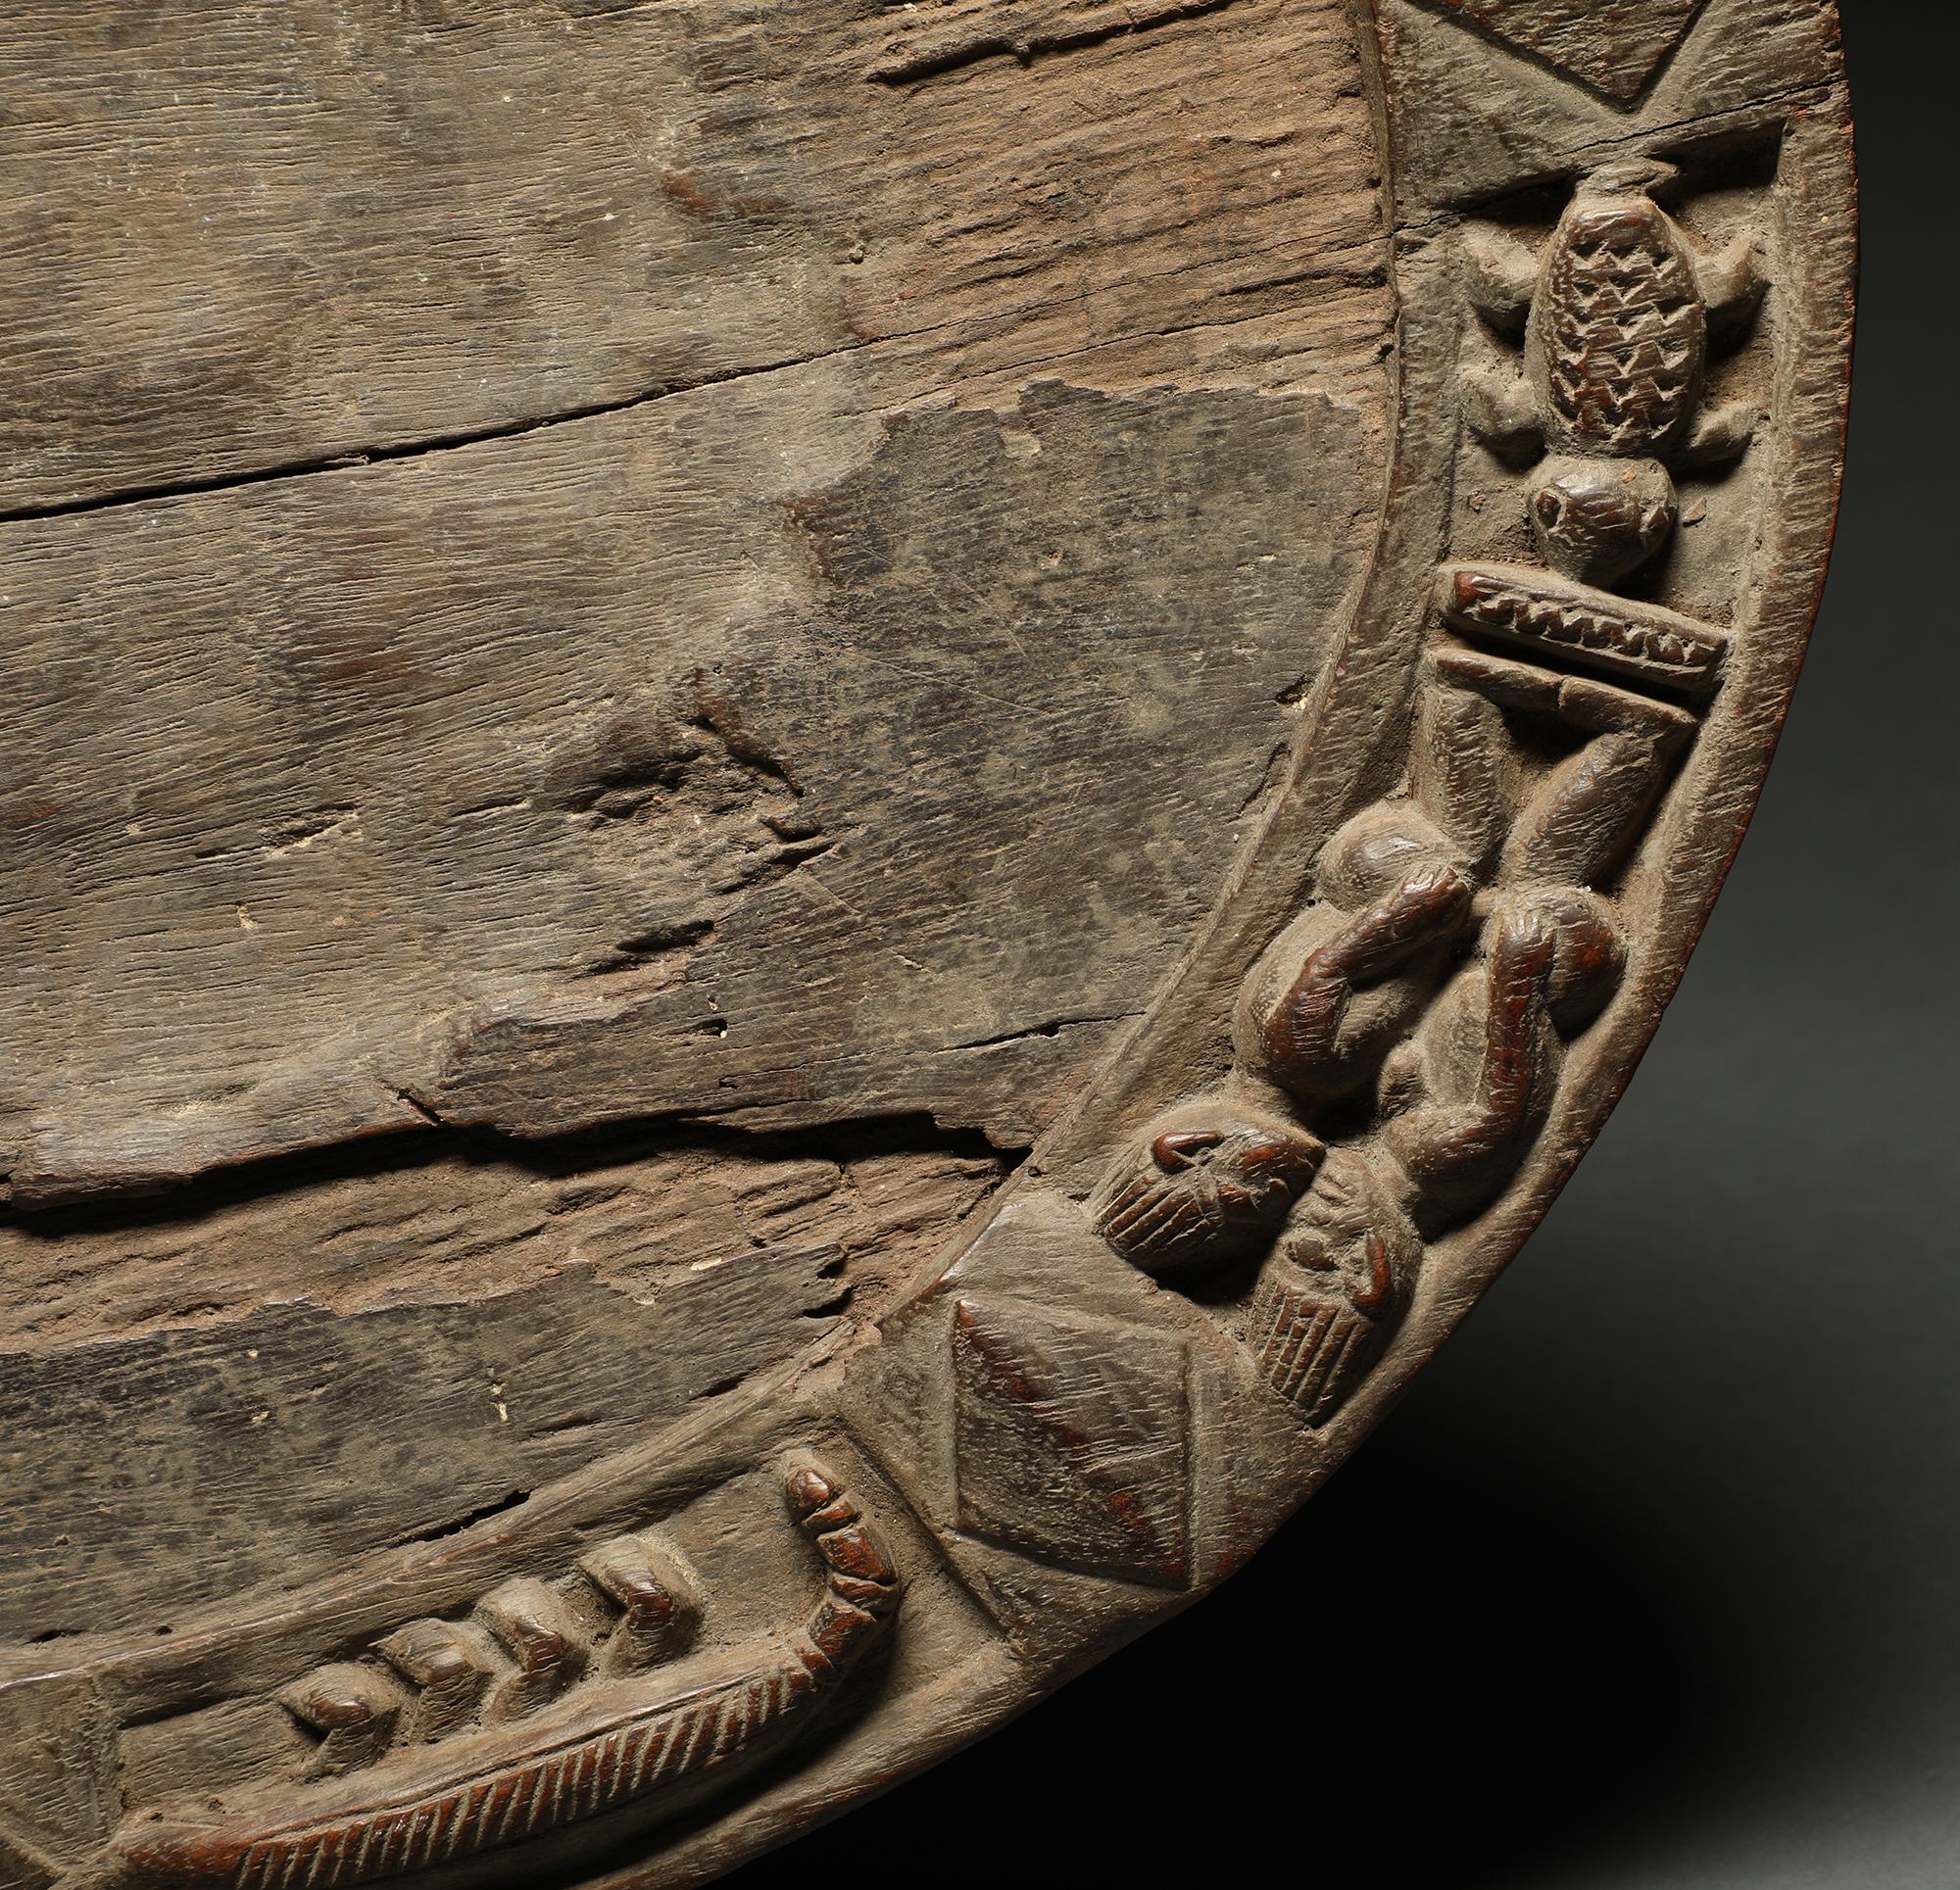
(660, 1609)
(450, 1666)
(354, 1708)
(530, 1623)
(1638, 641)
(478, 1789)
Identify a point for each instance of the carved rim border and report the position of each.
(1252, 1461)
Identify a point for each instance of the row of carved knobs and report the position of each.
(629, 1606)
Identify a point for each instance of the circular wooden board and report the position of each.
(818, 819)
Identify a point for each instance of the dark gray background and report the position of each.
(1654, 1579)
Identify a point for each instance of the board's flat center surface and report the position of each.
(851, 531)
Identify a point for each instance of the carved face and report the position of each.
(1596, 520)
(1205, 1189)
(1352, 1238)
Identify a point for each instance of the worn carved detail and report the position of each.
(1070, 1439)
(473, 1792)
(630, 1605)
(1641, 642)
(1215, 1187)
(1617, 47)
(1415, 1018)
(353, 1709)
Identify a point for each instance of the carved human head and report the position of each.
(1600, 520)
(1349, 1234)
(1205, 1187)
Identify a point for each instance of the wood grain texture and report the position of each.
(386, 1355)
(935, 758)
(372, 793)
(558, 562)
(263, 237)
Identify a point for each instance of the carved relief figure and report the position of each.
(444, 1746)
(1413, 1020)
(801, 831)
(1615, 324)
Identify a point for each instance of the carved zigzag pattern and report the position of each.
(1625, 334)
(1625, 639)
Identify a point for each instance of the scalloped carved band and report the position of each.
(1401, 1045)
(458, 1784)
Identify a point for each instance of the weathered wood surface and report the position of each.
(754, 536)
(816, 819)
(716, 745)
(385, 1353)
(258, 237)
(748, 789)
(792, 742)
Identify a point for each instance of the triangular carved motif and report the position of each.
(1069, 1439)
(1614, 46)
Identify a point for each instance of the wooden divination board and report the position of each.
(818, 818)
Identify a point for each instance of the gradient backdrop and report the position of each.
(1654, 1579)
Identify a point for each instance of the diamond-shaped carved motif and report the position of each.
(1070, 1439)
(1614, 46)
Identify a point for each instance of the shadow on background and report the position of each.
(1654, 1579)
(1462, 1664)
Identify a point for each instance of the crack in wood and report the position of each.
(389, 452)
(1327, 270)
(1054, 1026)
(1022, 32)
(187, 1202)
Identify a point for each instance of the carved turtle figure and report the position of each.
(1615, 318)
